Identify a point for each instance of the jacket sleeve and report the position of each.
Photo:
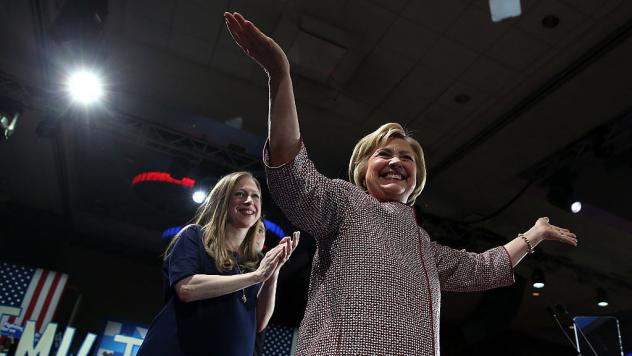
(462, 271)
(311, 201)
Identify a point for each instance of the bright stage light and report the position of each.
(199, 196)
(85, 87)
(602, 297)
(576, 207)
(537, 279)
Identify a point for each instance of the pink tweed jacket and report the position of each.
(376, 278)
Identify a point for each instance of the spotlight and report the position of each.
(537, 279)
(10, 111)
(602, 297)
(85, 87)
(199, 196)
(8, 126)
(576, 207)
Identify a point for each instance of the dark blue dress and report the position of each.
(222, 325)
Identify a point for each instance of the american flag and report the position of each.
(31, 293)
(279, 341)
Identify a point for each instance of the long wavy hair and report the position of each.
(212, 216)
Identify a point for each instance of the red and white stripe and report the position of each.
(41, 299)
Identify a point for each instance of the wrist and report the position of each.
(528, 245)
(278, 76)
(257, 276)
(533, 238)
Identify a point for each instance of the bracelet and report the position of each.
(526, 240)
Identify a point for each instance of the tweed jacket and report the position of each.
(376, 279)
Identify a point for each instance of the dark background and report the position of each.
(515, 118)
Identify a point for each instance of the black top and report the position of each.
(222, 325)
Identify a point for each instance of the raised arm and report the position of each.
(310, 200)
(283, 128)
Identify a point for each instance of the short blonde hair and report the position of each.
(376, 139)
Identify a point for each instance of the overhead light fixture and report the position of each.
(537, 279)
(576, 207)
(504, 9)
(602, 297)
(10, 111)
(8, 126)
(85, 87)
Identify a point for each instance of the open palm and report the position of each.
(261, 48)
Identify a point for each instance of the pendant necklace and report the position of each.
(243, 292)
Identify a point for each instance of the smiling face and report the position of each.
(244, 206)
(391, 171)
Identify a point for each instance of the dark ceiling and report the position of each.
(514, 118)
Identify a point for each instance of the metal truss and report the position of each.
(138, 130)
(177, 144)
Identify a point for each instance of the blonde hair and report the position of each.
(212, 216)
(258, 225)
(376, 139)
(253, 230)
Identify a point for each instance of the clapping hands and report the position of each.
(276, 257)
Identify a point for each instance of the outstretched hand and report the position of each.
(261, 48)
(543, 230)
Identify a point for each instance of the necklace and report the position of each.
(243, 291)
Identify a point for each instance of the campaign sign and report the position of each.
(121, 339)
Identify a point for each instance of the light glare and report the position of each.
(602, 304)
(85, 87)
(538, 285)
(576, 207)
(199, 196)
